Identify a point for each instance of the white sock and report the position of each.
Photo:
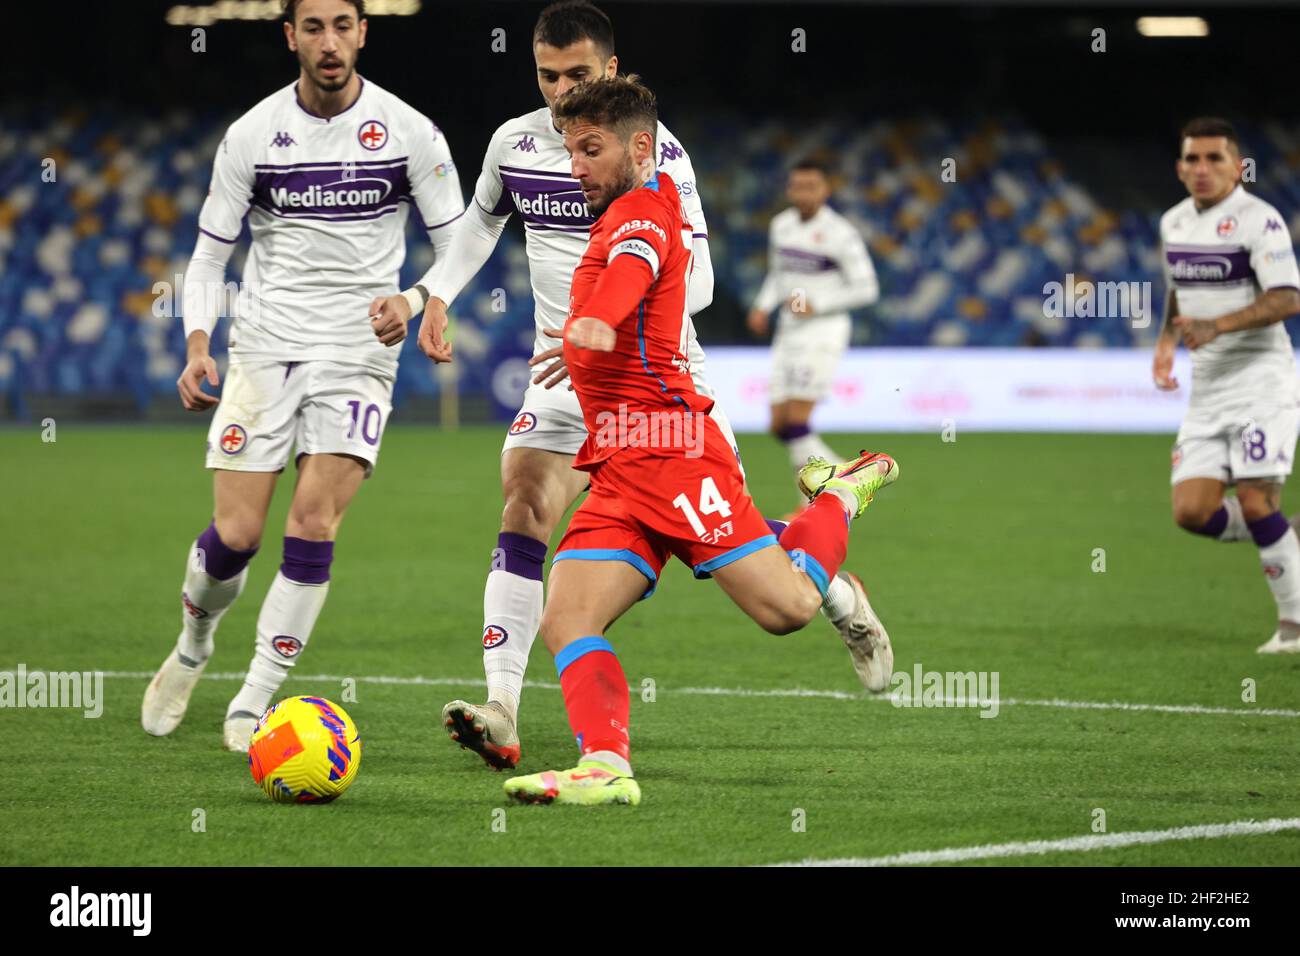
(283, 628)
(1236, 530)
(840, 601)
(204, 599)
(1281, 563)
(609, 758)
(512, 613)
(809, 446)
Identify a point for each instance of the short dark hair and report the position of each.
(291, 9)
(621, 103)
(1209, 126)
(819, 164)
(570, 21)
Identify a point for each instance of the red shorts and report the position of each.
(648, 503)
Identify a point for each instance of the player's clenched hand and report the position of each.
(388, 317)
(1196, 332)
(190, 384)
(757, 322)
(1162, 367)
(557, 371)
(433, 331)
(589, 332)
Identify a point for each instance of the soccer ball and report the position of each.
(304, 750)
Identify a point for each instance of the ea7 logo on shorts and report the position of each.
(372, 135)
(494, 636)
(286, 646)
(524, 422)
(233, 439)
(1273, 571)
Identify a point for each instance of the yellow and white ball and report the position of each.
(304, 750)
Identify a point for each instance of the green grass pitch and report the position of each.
(981, 558)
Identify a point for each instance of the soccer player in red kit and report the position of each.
(664, 480)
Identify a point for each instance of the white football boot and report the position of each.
(168, 694)
(237, 731)
(1285, 640)
(867, 640)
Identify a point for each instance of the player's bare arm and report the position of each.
(1162, 367)
(199, 367)
(1271, 305)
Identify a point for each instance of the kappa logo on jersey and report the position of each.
(526, 144)
(283, 139)
(192, 609)
(524, 422)
(233, 439)
(372, 135)
(1226, 227)
(286, 646)
(494, 636)
(1273, 226)
(668, 151)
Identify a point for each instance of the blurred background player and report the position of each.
(625, 340)
(818, 269)
(526, 169)
(324, 169)
(1232, 278)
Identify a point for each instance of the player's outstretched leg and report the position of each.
(849, 610)
(847, 605)
(216, 569)
(538, 487)
(326, 484)
(815, 544)
(586, 595)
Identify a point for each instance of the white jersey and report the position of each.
(327, 202)
(527, 170)
(1218, 260)
(825, 258)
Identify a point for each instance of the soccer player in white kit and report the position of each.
(527, 170)
(818, 269)
(326, 170)
(1232, 279)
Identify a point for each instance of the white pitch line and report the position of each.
(795, 692)
(1077, 844)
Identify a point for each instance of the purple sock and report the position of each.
(778, 527)
(790, 432)
(1268, 529)
(219, 561)
(1214, 527)
(519, 554)
(307, 562)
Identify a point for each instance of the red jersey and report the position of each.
(633, 276)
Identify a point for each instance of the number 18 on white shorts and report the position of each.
(1231, 446)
